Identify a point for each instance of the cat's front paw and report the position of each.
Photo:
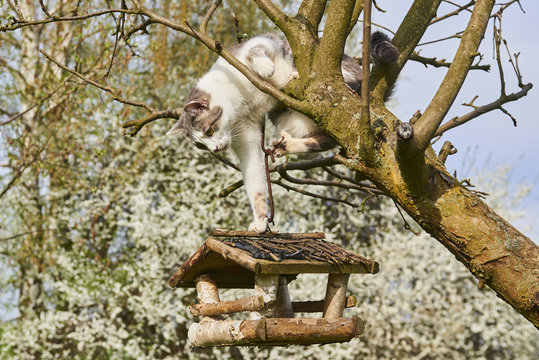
(260, 225)
(281, 147)
(293, 75)
(263, 66)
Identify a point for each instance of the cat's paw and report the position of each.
(282, 147)
(263, 66)
(293, 75)
(260, 225)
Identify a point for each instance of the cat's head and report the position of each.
(203, 123)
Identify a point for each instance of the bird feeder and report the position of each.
(267, 263)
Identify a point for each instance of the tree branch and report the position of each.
(139, 123)
(115, 93)
(328, 57)
(366, 133)
(204, 24)
(275, 15)
(426, 126)
(457, 11)
(312, 12)
(442, 63)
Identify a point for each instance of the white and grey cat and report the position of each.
(225, 110)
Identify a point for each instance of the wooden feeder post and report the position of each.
(225, 260)
(335, 295)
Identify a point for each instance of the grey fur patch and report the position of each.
(352, 73)
(199, 117)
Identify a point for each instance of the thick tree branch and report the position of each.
(358, 9)
(312, 11)
(278, 17)
(328, 57)
(426, 126)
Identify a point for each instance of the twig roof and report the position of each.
(226, 255)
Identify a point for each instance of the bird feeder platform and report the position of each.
(267, 263)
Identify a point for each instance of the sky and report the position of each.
(489, 141)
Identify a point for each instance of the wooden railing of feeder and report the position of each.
(267, 263)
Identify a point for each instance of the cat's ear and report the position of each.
(195, 106)
(177, 128)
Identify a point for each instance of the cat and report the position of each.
(225, 110)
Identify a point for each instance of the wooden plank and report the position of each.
(196, 258)
(293, 266)
(268, 234)
(318, 306)
(251, 303)
(241, 257)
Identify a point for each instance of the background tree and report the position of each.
(94, 222)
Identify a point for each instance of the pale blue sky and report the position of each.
(490, 140)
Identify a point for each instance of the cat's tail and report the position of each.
(382, 50)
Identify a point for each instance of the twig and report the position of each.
(427, 125)
(458, 35)
(139, 123)
(47, 97)
(204, 24)
(457, 11)
(115, 93)
(406, 224)
(442, 63)
(317, 196)
(341, 185)
(502, 99)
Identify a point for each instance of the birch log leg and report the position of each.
(265, 286)
(335, 295)
(207, 293)
(283, 305)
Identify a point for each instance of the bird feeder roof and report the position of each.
(232, 258)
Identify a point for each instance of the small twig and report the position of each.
(442, 63)
(317, 196)
(204, 24)
(406, 224)
(341, 185)
(455, 12)
(458, 35)
(139, 123)
(298, 165)
(115, 93)
(47, 97)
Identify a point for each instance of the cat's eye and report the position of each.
(209, 132)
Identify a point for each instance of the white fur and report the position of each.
(244, 110)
